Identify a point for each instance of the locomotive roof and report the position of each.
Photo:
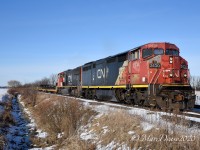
(119, 54)
(125, 52)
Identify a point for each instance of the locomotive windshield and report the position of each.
(150, 52)
(147, 52)
(158, 51)
(172, 52)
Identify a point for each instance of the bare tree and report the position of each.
(195, 82)
(53, 79)
(192, 81)
(45, 81)
(14, 83)
(198, 84)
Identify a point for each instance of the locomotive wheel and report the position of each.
(162, 103)
(119, 95)
(139, 99)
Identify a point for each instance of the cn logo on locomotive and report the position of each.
(101, 73)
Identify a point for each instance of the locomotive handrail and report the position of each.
(153, 80)
(159, 70)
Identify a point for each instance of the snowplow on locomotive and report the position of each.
(153, 74)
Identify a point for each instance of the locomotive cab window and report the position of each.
(60, 75)
(147, 53)
(158, 51)
(172, 52)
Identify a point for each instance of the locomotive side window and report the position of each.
(87, 68)
(134, 55)
(147, 53)
(172, 52)
(158, 51)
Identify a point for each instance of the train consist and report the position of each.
(153, 74)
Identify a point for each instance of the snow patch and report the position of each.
(131, 132)
(146, 126)
(46, 148)
(41, 134)
(105, 129)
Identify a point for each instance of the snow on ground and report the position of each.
(149, 120)
(193, 113)
(146, 126)
(152, 115)
(32, 126)
(45, 148)
(3, 94)
(113, 145)
(15, 134)
(3, 97)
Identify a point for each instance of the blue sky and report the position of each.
(43, 37)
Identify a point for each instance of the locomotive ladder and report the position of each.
(153, 82)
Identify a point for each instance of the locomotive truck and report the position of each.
(153, 74)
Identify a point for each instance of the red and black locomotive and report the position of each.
(153, 74)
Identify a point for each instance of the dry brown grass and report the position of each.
(6, 116)
(56, 114)
(115, 127)
(6, 119)
(13, 91)
(2, 142)
(75, 143)
(29, 95)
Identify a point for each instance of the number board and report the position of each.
(154, 65)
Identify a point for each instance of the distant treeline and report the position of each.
(3, 87)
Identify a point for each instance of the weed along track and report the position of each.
(14, 129)
(193, 116)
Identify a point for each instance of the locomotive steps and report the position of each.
(72, 123)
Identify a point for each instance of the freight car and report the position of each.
(153, 74)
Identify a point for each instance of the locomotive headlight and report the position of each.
(185, 75)
(170, 75)
(170, 60)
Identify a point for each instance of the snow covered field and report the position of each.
(2, 94)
